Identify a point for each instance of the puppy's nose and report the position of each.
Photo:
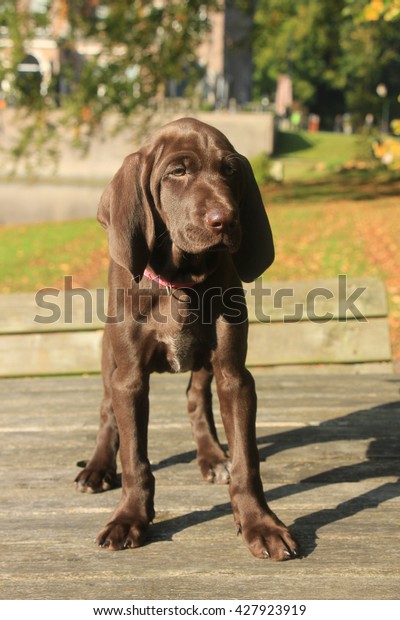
(221, 221)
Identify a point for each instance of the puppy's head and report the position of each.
(190, 179)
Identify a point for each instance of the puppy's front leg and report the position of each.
(129, 523)
(265, 535)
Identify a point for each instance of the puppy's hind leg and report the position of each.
(213, 461)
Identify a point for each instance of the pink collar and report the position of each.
(168, 285)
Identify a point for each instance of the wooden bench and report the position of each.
(331, 324)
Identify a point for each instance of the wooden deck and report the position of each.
(330, 450)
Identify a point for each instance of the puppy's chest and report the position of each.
(185, 346)
(182, 339)
(182, 350)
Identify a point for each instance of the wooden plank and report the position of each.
(274, 344)
(82, 309)
(56, 332)
(338, 368)
(51, 310)
(315, 343)
(50, 354)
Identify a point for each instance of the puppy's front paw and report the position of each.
(269, 538)
(122, 534)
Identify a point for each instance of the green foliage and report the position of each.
(137, 47)
(299, 38)
(335, 57)
(143, 45)
(336, 51)
(389, 10)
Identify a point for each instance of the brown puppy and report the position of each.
(186, 224)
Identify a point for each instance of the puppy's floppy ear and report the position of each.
(256, 252)
(125, 212)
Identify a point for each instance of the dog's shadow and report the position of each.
(380, 425)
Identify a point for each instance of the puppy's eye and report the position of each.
(179, 171)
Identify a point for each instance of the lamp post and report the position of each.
(382, 92)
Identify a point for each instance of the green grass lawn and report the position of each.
(315, 240)
(39, 255)
(306, 155)
(318, 233)
(323, 146)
